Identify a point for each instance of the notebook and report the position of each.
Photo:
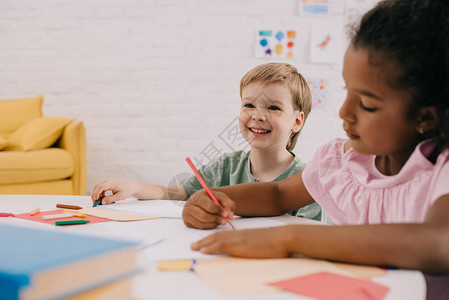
(55, 264)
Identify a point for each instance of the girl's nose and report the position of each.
(346, 112)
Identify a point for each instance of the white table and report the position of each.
(152, 284)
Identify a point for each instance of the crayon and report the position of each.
(6, 215)
(68, 206)
(57, 216)
(74, 213)
(72, 222)
(35, 211)
(98, 202)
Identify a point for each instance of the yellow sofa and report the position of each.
(40, 155)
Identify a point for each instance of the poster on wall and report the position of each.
(326, 39)
(320, 92)
(276, 44)
(313, 7)
(356, 8)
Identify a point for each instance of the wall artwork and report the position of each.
(276, 44)
(320, 92)
(313, 7)
(356, 8)
(326, 40)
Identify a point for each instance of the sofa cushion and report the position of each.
(55, 187)
(15, 113)
(35, 166)
(39, 133)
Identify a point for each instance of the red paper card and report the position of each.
(38, 217)
(328, 286)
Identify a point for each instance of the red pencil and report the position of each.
(206, 187)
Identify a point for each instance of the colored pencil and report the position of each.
(206, 187)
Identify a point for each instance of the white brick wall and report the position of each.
(153, 81)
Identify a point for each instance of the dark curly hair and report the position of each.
(410, 39)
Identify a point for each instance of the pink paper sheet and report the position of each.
(328, 286)
(38, 217)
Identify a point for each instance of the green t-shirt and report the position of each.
(234, 168)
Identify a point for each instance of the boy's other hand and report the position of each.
(120, 188)
(201, 212)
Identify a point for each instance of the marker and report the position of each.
(73, 222)
(6, 215)
(68, 206)
(57, 216)
(98, 202)
(206, 187)
(34, 212)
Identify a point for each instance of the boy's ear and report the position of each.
(427, 119)
(299, 122)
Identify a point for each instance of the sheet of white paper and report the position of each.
(164, 239)
(160, 208)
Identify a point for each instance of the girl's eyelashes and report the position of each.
(248, 105)
(368, 109)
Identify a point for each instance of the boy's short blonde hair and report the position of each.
(289, 76)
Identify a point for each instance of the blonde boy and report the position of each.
(275, 102)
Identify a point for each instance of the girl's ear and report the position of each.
(427, 119)
(299, 122)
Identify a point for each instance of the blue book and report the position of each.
(49, 264)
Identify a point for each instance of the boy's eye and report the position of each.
(248, 105)
(368, 109)
(273, 107)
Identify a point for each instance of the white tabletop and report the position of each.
(153, 284)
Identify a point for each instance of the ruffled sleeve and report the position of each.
(321, 173)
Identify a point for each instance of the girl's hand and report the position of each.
(121, 189)
(201, 212)
(251, 243)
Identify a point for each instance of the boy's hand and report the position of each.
(121, 189)
(251, 243)
(201, 212)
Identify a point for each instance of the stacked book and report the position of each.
(49, 264)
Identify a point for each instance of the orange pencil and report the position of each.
(35, 212)
(206, 187)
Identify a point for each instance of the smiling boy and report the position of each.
(275, 102)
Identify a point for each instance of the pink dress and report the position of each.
(351, 190)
